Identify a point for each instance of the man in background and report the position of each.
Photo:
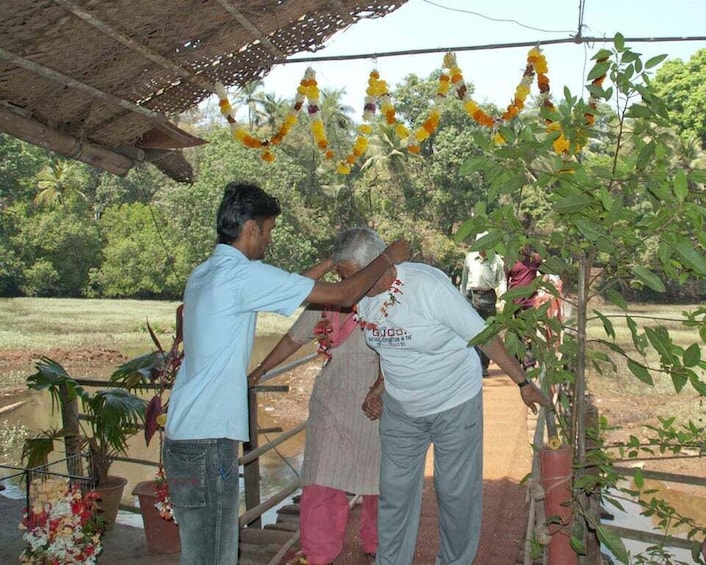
(482, 282)
(522, 274)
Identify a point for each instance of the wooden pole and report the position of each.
(37, 134)
(72, 431)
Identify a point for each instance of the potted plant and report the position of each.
(113, 415)
(155, 371)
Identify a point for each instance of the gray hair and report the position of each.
(358, 245)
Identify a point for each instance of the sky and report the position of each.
(424, 24)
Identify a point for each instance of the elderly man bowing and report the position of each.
(429, 393)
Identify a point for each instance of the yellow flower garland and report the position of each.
(239, 133)
(377, 95)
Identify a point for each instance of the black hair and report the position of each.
(242, 202)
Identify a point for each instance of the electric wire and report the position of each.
(502, 20)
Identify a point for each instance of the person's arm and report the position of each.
(284, 348)
(348, 291)
(464, 276)
(501, 279)
(320, 269)
(372, 405)
(529, 391)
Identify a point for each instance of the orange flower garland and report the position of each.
(240, 134)
(377, 89)
(308, 87)
(377, 95)
(429, 125)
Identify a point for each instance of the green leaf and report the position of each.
(602, 54)
(681, 186)
(587, 228)
(607, 324)
(690, 258)
(465, 230)
(638, 478)
(640, 111)
(472, 165)
(572, 204)
(606, 198)
(616, 298)
(577, 545)
(649, 278)
(640, 372)
(692, 355)
(619, 41)
(598, 70)
(699, 386)
(613, 542)
(654, 61)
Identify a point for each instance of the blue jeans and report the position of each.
(203, 485)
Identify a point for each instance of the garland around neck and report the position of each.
(393, 293)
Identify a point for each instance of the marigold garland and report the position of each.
(377, 90)
(431, 123)
(378, 96)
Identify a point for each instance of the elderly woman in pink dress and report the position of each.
(342, 451)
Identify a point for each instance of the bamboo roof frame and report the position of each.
(99, 81)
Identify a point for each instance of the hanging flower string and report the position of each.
(375, 92)
(308, 87)
(163, 502)
(430, 124)
(239, 132)
(378, 96)
(322, 334)
(393, 293)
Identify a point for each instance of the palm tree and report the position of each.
(274, 110)
(251, 96)
(54, 183)
(387, 159)
(337, 119)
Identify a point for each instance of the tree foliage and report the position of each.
(682, 86)
(631, 216)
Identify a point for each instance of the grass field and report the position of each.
(91, 336)
(46, 323)
(616, 381)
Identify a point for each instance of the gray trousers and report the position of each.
(457, 435)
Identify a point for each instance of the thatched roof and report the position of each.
(97, 80)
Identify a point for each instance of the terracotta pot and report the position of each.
(111, 492)
(162, 535)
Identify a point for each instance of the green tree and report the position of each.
(56, 183)
(54, 241)
(682, 86)
(142, 256)
(604, 216)
(251, 97)
(19, 164)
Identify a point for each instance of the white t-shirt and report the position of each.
(423, 341)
